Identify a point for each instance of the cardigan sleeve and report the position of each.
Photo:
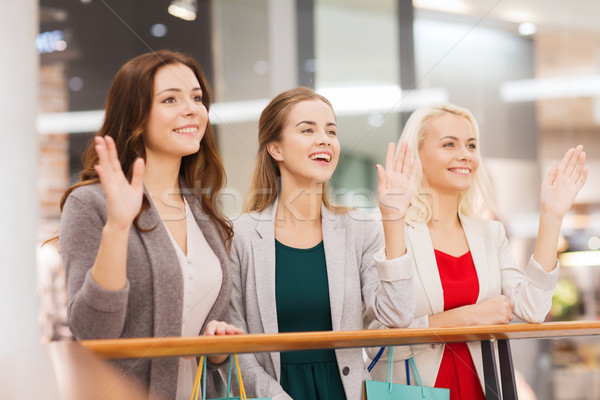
(530, 291)
(93, 311)
(387, 285)
(256, 380)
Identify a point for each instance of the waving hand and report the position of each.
(563, 182)
(396, 182)
(123, 199)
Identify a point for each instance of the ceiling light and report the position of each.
(527, 28)
(550, 88)
(580, 259)
(159, 30)
(184, 9)
(451, 6)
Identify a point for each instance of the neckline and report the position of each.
(315, 247)
(450, 255)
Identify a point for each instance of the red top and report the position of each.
(461, 287)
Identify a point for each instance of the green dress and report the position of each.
(302, 296)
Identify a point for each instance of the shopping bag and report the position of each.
(202, 373)
(375, 390)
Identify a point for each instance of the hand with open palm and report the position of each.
(396, 182)
(123, 198)
(563, 182)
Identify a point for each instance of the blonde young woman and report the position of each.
(465, 272)
(301, 264)
(144, 245)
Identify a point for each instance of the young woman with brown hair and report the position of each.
(301, 264)
(144, 244)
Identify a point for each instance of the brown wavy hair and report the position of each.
(265, 184)
(127, 112)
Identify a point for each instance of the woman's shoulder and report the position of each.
(89, 195)
(245, 221)
(246, 226)
(482, 225)
(87, 202)
(358, 223)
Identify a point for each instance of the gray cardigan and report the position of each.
(151, 304)
(384, 291)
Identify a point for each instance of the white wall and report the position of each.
(18, 175)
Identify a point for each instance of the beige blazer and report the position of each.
(355, 283)
(530, 291)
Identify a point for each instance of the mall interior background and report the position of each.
(529, 70)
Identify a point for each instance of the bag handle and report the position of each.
(239, 377)
(418, 379)
(376, 358)
(196, 388)
(202, 372)
(229, 378)
(390, 368)
(413, 365)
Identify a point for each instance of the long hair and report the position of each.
(266, 179)
(127, 112)
(472, 202)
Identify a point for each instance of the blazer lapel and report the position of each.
(476, 242)
(424, 255)
(263, 251)
(167, 290)
(334, 241)
(166, 274)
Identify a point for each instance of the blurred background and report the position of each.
(529, 70)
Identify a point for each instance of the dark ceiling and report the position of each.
(101, 35)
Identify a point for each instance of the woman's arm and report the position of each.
(558, 192)
(94, 249)
(495, 310)
(386, 285)
(93, 311)
(395, 188)
(123, 200)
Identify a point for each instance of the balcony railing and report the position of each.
(212, 345)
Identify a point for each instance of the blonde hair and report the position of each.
(475, 200)
(265, 184)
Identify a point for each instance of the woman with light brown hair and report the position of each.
(144, 244)
(301, 264)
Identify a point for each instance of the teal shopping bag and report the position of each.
(375, 390)
(202, 372)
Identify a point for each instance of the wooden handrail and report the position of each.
(210, 345)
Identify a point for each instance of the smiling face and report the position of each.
(449, 154)
(178, 117)
(309, 149)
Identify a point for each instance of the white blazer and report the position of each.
(530, 291)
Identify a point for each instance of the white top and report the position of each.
(202, 278)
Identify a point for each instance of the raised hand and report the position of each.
(563, 182)
(396, 182)
(123, 199)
